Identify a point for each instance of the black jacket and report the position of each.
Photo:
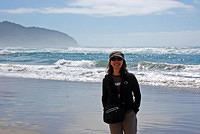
(129, 87)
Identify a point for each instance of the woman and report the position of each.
(119, 87)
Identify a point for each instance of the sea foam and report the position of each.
(169, 50)
(87, 72)
(174, 67)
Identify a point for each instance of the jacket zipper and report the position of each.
(112, 109)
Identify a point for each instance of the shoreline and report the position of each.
(35, 106)
(190, 89)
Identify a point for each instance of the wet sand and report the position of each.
(12, 130)
(33, 106)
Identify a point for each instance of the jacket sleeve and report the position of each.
(104, 93)
(137, 94)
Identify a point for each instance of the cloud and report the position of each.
(196, 1)
(108, 8)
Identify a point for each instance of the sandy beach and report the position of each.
(33, 106)
(12, 130)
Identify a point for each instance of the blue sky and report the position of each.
(116, 23)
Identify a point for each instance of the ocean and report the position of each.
(170, 67)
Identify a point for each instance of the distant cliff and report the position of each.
(15, 35)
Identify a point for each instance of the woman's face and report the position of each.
(116, 62)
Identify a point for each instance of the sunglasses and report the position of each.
(116, 58)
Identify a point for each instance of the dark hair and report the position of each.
(123, 69)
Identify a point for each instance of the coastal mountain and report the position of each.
(15, 35)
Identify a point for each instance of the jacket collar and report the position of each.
(109, 77)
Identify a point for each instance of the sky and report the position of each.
(112, 23)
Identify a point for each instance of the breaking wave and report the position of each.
(175, 67)
(148, 73)
(10, 50)
(153, 66)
